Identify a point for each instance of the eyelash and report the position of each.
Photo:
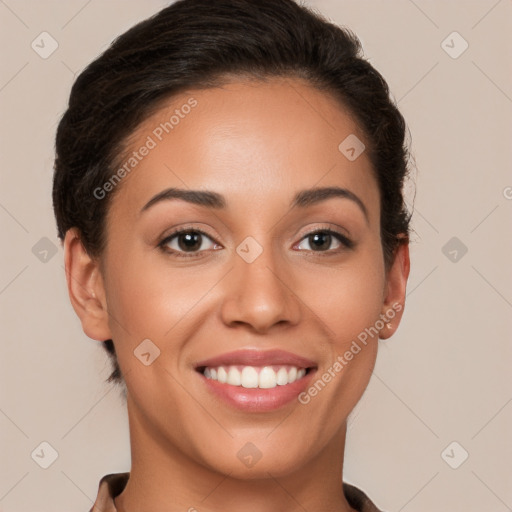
(346, 242)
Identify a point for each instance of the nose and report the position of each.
(260, 294)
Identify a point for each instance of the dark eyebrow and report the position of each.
(199, 197)
(313, 196)
(210, 199)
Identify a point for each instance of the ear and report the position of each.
(394, 291)
(85, 287)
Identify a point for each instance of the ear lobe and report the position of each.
(395, 289)
(85, 288)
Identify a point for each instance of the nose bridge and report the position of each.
(258, 291)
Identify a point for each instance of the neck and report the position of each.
(164, 478)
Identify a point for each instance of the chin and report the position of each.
(246, 461)
(262, 470)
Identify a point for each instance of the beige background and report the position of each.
(443, 377)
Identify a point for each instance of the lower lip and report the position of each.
(257, 399)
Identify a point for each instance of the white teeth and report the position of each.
(222, 375)
(249, 377)
(265, 377)
(234, 377)
(282, 376)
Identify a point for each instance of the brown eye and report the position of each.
(322, 241)
(187, 241)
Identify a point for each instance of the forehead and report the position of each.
(245, 139)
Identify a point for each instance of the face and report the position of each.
(259, 318)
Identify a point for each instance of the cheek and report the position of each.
(148, 297)
(347, 298)
(348, 301)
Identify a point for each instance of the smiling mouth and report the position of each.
(250, 377)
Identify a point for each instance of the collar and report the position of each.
(112, 485)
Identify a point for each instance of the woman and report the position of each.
(228, 190)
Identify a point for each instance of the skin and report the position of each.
(257, 144)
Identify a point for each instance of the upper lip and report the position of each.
(254, 357)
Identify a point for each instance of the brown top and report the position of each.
(113, 484)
